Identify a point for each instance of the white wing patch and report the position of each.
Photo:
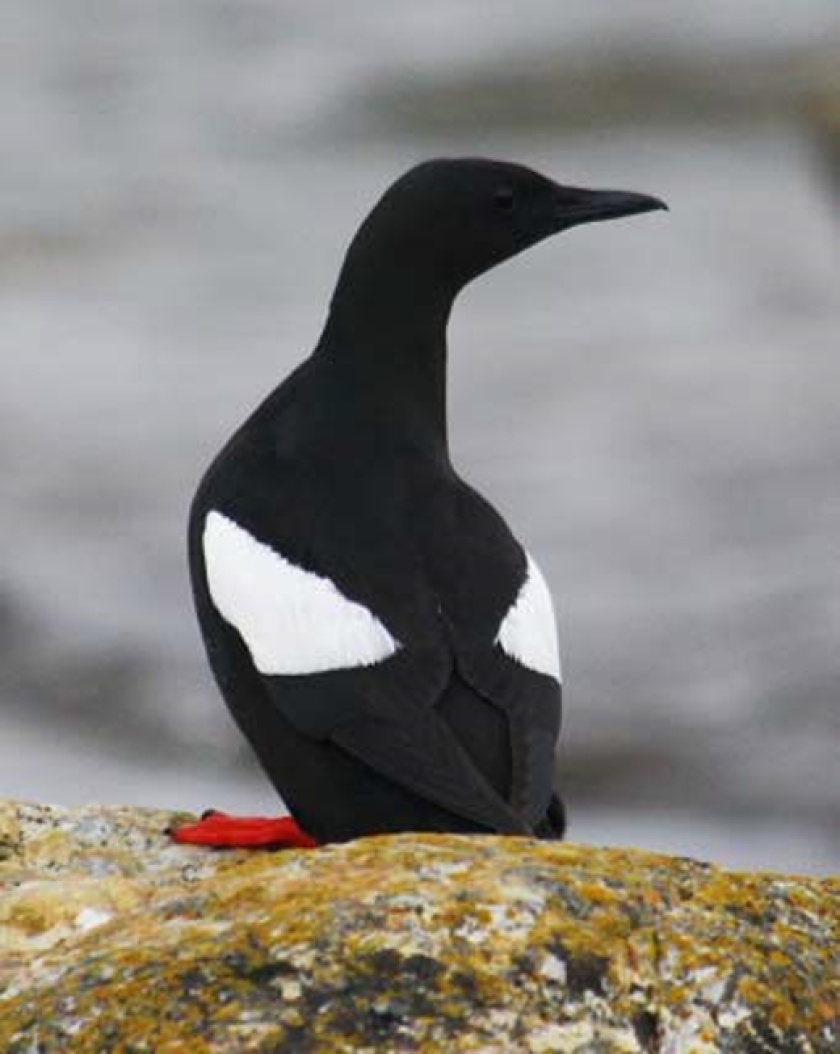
(528, 632)
(292, 621)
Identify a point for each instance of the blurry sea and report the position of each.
(653, 405)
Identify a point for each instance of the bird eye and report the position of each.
(505, 199)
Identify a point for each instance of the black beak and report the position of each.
(590, 206)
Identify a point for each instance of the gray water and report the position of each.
(652, 404)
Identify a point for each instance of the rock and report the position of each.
(112, 939)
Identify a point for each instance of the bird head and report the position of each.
(450, 220)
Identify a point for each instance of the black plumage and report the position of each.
(345, 472)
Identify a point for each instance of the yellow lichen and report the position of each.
(424, 942)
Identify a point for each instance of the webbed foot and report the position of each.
(243, 832)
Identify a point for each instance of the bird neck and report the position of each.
(384, 345)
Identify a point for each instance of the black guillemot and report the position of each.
(380, 636)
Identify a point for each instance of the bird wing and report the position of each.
(532, 703)
(339, 671)
(503, 635)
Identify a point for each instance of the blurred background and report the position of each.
(652, 404)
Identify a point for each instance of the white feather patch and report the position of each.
(528, 632)
(292, 621)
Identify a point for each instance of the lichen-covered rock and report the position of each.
(111, 939)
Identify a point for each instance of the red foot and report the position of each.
(243, 832)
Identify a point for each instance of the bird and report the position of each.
(380, 636)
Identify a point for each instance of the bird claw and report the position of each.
(242, 832)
